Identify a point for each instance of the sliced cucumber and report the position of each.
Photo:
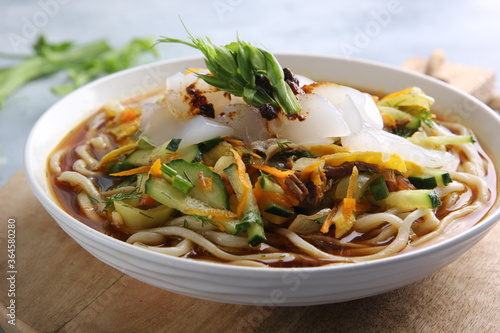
(165, 193)
(139, 157)
(278, 210)
(413, 199)
(364, 180)
(142, 157)
(209, 144)
(173, 144)
(190, 153)
(412, 97)
(398, 115)
(137, 218)
(146, 145)
(433, 142)
(115, 167)
(216, 196)
(270, 185)
(430, 178)
(256, 234)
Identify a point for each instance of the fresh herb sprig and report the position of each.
(203, 219)
(134, 194)
(244, 70)
(82, 63)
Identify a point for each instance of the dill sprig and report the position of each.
(203, 219)
(134, 194)
(244, 70)
(284, 146)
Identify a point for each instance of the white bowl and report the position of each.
(249, 285)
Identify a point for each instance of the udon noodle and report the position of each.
(222, 183)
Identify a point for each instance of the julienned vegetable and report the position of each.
(82, 63)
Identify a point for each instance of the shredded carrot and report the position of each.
(349, 206)
(388, 120)
(114, 154)
(146, 200)
(318, 177)
(156, 168)
(213, 213)
(327, 223)
(306, 173)
(241, 169)
(234, 142)
(268, 196)
(170, 157)
(353, 180)
(205, 182)
(128, 115)
(193, 70)
(346, 220)
(241, 203)
(273, 171)
(135, 171)
(398, 93)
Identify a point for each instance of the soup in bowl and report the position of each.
(193, 190)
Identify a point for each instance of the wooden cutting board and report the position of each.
(61, 288)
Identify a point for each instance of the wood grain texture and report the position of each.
(479, 82)
(62, 288)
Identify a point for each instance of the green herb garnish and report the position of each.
(244, 70)
(203, 219)
(82, 63)
(284, 146)
(134, 194)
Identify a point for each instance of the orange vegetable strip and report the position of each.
(289, 194)
(156, 168)
(234, 142)
(349, 206)
(353, 179)
(308, 170)
(128, 115)
(277, 198)
(141, 169)
(241, 169)
(316, 178)
(241, 203)
(146, 200)
(213, 213)
(346, 220)
(205, 182)
(327, 223)
(273, 171)
(193, 70)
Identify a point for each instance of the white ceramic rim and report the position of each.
(204, 266)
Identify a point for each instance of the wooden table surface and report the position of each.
(62, 288)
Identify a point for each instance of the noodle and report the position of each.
(83, 152)
(55, 162)
(80, 166)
